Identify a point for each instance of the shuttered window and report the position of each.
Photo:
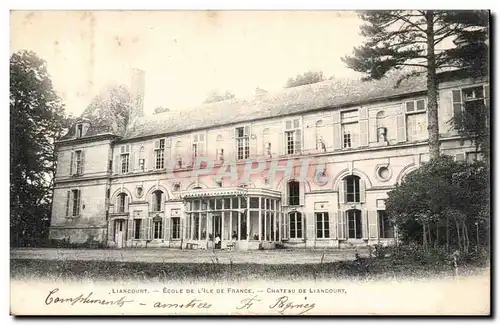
(157, 229)
(137, 228)
(354, 224)
(295, 223)
(76, 202)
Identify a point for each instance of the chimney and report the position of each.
(137, 94)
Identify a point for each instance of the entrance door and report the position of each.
(217, 230)
(119, 233)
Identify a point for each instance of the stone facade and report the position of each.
(316, 178)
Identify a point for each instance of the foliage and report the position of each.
(214, 96)
(160, 109)
(473, 123)
(36, 120)
(306, 78)
(421, 39)
(443, 202)
(111, 109)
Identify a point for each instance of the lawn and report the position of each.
(360, 269)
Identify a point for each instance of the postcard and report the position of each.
(276, 163)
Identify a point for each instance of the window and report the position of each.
(198, 146)
(159, 154)
(76, 163)
(293, 193)
(322, 225)
(416, 120)
(354, 224)
(350, 128)
(124, 158)
(157, 228)
(352, 189)
(137, 228)
(470, 106)
(157, 201)
(79, 162)
(79, 130)
(76, 196)
(241, 135)
(122, 202)
(386, 229)
(142, 163)
(413, 106)
(295, 222)
(110, 165)
(176, 227)
(350, 135)
(293, 136)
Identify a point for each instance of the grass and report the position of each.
(360, 269)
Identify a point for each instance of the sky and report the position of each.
(184, 54)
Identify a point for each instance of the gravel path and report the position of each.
(165, 255)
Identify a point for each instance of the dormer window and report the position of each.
(79, 130)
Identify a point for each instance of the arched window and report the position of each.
(293, 191)
(354, 226)
(122, 203)
(295, 225)
(157, 204)
(352, 190)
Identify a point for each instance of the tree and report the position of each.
(36, 120)
(111, 109)
(160, 109)
(307, 78)
(444, 202)
(419, 39)
(214, 96)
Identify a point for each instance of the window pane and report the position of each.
(421, 105)
(410, 106)
(235, 203)
(254, 202)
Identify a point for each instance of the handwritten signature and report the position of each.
(282, 304)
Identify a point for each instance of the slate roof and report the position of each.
(326, 94)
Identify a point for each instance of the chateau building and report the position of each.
(310, 166)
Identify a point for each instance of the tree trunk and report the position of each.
(424, 236)
(436, 242)
(432, 89)
(447, 233)
(458, 235)
(466, 236)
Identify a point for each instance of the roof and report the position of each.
(325, 94)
